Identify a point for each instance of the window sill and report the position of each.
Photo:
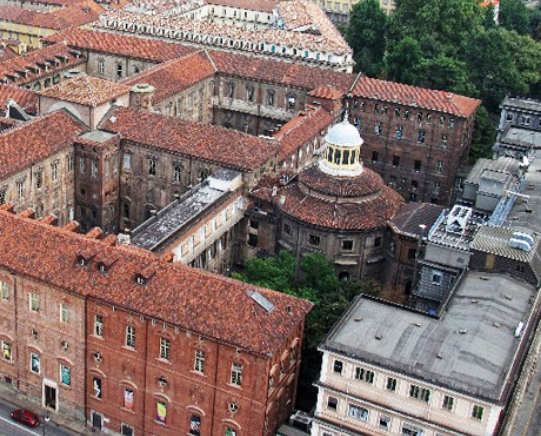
(202, 374)
(126, 347)
(98, 337)
(162, 360)
(127, 410)
(234, 386)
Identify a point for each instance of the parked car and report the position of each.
(25, 417)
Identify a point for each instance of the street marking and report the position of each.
(18, 425)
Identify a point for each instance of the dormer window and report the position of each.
(82, 261)
(102, 268)
(140, 280)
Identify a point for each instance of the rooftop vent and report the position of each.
(462, 331)
(261, 300)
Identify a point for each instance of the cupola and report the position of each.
(342, 152)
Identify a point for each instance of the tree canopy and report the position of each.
(452, 45)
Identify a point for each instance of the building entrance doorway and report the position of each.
(49, 399)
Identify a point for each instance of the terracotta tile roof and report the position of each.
(6, 53)
(174, 76)
(24, 69)
(123, 45)
(219, 145)
(412, 95)
(327, 40)
(302, 129)
(327, 91)
(356, 204)
(266, 6)
(26, 99)
(202, 302)
(410, 216)
(86, 90)
(56, 2)
(73, 15)
(35, 140)
(286, 73)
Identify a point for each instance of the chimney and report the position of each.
(142, 97)
(72, 226)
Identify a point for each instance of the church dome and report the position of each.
(344, 134)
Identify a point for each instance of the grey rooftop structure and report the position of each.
(525, 104)
(158, 230)
(472, 348)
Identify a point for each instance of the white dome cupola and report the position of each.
(342, 152)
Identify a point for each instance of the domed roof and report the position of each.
(361, 203)
(344, 134)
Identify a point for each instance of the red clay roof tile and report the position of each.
(202, 302)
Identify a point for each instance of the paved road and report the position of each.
(8, 427)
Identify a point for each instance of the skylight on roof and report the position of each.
(261, 300)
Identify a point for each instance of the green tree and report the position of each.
(366, 34)
(514, 15)
(404, 61)
(489, 21)
(491, 67)
(439, 26)
(443, 72)
(484, 135)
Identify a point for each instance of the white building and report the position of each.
(390, 370)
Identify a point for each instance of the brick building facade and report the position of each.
(178, 364)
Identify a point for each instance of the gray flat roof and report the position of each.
(496, 240)
(474, 362)
(522, 137)
(522, 103)
(175, 216)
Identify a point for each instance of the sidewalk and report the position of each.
(19, 401)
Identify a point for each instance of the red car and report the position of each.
(25, 417)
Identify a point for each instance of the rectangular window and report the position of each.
(164, 348)
(332, 403)
(3, 196)
(358, 412)
(20, 189)
(161, 412)
(152, 167)
(34, 301)
(115, 163)
(375, 156)
(417, 166)
(6, 350)
(199, 362)
(118, 71)
(398, 131)
(130, 336)
(347, 245)
(126, 430)
(419, 393)
(421, 137)
(70, 163)
(378, 241)
(54, 171)
(195, 425)
(385, 422)
(4, 290)
(338, 366)
(128, 399)
(65, 375)
(126, 161)
(391, 384)
(39, 179)
(364, 375)
(436, 278)
(236, 374)
(287, 229)
(439, 166)
(64, 312)
(98, 325)
(177, 173)
(94, 168)
(314, 240)
(35, 363)
(409, 430)
(96, 387)
(443, 140)
(107, 168)
(230, 432)
(477, 412)
(448, 403)
(396, 161)
(82, 164)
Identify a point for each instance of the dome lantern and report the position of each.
(342, 152)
